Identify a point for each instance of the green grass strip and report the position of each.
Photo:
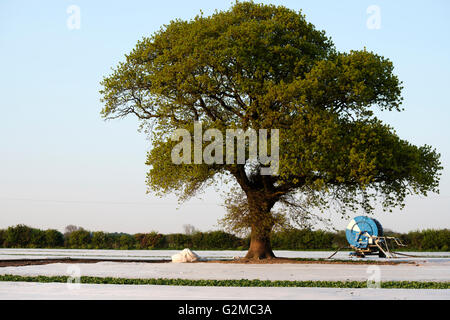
(231, 283)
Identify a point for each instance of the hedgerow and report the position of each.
(22, 236)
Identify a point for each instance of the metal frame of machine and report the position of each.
(379, 246)
(365, 236)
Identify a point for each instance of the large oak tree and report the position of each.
(265, 67)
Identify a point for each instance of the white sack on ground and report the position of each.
(186, 256)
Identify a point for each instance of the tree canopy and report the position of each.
(265, 67)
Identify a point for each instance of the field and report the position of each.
(141, 275)
(167, 254)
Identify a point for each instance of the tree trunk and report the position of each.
(260, 247)
(261, 226)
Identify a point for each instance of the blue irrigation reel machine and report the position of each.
(365, 236)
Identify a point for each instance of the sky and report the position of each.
(61, 163)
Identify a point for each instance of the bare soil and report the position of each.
(306, 261)
(29, 262)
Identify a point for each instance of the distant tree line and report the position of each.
(22, 236)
